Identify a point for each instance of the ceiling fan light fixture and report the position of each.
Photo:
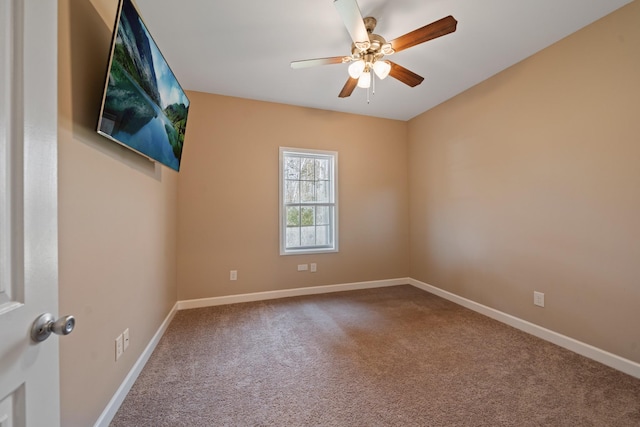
(362, 46)
(382, 69)
(386, 49)
(356, 68)
(365, 80)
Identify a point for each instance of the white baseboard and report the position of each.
(114, 404)
(117, 399)
(594, 353)
(284, 293)
(616, 362)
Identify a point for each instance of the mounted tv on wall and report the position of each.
(143, 106)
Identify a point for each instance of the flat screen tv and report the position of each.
(143, 105)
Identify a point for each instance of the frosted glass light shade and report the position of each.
(382, 68)
(356, 68)
(365, 80)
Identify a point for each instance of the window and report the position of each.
(308, 201)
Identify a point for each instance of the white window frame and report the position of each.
(332, 156)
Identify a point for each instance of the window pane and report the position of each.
(307, 169)
(307, 216)
(291, 167)
(293, 216)
(322, 169)
(308, 236)
(322, 191)
(322, 215)
(292, 192)
(307, 190)
(293, 237)
(322, 235)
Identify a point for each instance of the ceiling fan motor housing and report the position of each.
(378, 46)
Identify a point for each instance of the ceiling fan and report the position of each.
(369, 49)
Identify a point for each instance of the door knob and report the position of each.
(45, 324)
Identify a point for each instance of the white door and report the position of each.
(29, 372)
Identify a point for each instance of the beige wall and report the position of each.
(228, 197)
(531, 181)
(117, 227)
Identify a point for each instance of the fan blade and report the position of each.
(348, 88)
(429, 32)
(405, 76)
(320, 61)
(352, 18)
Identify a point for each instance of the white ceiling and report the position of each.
(244, 48)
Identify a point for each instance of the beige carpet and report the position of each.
(393, 356)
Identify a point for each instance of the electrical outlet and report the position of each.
(314, 267)
(303, 267)
(119, 347)
(233, 275)
(538, 298)
(125, 338)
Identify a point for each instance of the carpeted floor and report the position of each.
(393, 356)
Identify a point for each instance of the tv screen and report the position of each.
(143, 105)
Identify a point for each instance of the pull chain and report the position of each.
(372, 88)
(373, 82)
(368, 91)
